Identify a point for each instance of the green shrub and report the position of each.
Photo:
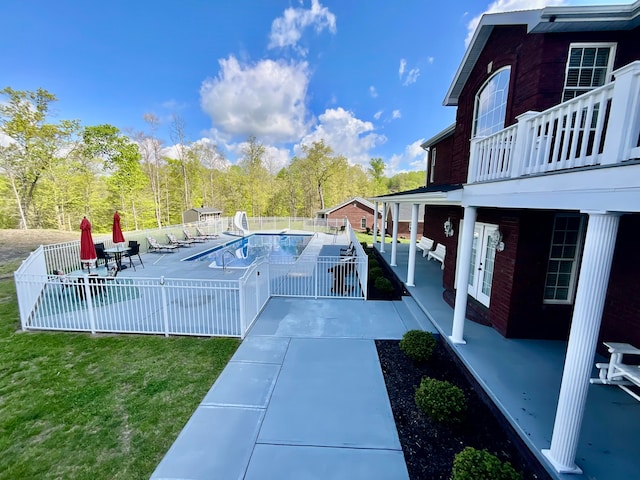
(440, 400)
(364, 245)
(373, 262)
(418, 345)
(472, 464)
(383, 285)
(375, 272)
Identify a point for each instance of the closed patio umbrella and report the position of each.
(87, 248)
(116, 233)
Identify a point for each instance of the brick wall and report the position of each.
(354, 214)
(621, 316)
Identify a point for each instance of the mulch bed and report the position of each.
(429, 447)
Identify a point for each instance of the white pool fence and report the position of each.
(178, 306)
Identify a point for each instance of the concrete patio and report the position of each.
(304, 396)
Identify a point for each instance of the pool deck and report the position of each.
(304, 395)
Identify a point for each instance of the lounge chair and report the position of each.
(206, 235)
(425, 244)
(348, 251)
(180, 243)
(188, 236)
(154, 246)
(438, 254)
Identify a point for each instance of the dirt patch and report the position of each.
(16, 245)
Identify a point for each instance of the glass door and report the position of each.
(482, 263)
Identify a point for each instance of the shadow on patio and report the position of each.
(523, 379)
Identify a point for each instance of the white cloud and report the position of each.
(173, 105)
(413, 158)
(430, 60)
(403, 65)
(412, 76)
(346, 135)
(266, 99)
(378, 114)
(373, 92)
(287, 30)
(396, 114)
(507, 6)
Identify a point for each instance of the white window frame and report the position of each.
(432, 167)
(573, 280)
(481, 90)
(612, 55)
(363, 222)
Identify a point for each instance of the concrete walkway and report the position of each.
(303, 397)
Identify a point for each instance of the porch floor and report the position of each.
(523, 379)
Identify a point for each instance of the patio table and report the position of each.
(117, 254)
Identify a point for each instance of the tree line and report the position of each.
(53, 173)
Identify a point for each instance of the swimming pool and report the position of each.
(241, 253)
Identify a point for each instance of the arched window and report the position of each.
(491, 104)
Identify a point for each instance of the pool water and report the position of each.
(241, 253)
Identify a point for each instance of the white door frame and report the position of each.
(482, 258)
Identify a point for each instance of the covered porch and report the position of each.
(523, 378)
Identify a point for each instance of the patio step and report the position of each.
(412, 315)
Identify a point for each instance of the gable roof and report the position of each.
(205, 210)
(361, 200)
(549, 19)
(438, 137)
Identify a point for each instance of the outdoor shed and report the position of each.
(202, 214)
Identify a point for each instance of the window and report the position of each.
(363, 222)
(588, 66)
(491, 104)
(432, 167)
(564, 254)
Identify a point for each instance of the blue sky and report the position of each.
(369, 77)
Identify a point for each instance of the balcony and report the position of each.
(599, 128)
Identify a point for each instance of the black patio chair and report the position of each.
(134, 250)
(102, 255)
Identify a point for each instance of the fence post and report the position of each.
(165, 314)
(87, 296)
(243, 320)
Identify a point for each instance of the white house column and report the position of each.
(465, 246)
(375, 222)
(411, 266)
(383, 226)
(599, 245)
(394, 237)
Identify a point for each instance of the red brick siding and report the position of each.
(354, 214)
(444, 153)
(538, 64)
(621, 317)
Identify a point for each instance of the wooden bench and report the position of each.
(425, 244)
(616, 372)
(438, 254)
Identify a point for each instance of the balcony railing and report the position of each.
(601, 127)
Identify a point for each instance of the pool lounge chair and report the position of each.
(180, 243)
(154, 246)
(188, 236)
(206, 235)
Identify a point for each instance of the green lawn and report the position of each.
(364, 237)
(76, 406)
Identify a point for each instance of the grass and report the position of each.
(364, 237)
(77, 406)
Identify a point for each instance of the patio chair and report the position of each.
(134, 250)
(348, 251)
(180, 243)
(102, 255)
(206, 235)
(154, 246)
(188, 236)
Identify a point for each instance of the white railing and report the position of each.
(172, 306)
(597, 128)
